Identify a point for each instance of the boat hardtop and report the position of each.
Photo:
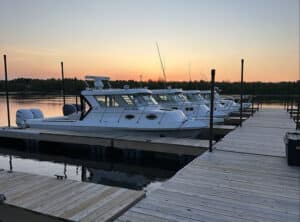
(126, 91)
(167, 91)
(191, 92)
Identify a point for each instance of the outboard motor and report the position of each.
(37, 113)
(21, 116)
(69, 109)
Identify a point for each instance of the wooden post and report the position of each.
(65, 171)
(298, 109)
(252, 104)
(241, 92)
(292, 98)
(298, 116)
(63, 82)
(75, 86)
(10, 164)
(83, 173)
(211, 116)
(6, 91)
(288, 97)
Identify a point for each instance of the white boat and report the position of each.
(225, 105)
(195, 97)
(175, 99)
(127, 110)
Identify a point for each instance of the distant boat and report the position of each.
(226, 105)
(177, 100)
(195, 97)
(131, 111)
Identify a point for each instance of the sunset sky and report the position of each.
(117, 38)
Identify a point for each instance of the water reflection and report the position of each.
(79, 166)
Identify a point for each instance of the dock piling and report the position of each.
(252, 100)
(298, 117)
(288, 97)
(75, 88)
(211, 116)
(63, 81)
(298, 108)
(10, 164)
(293, 89)
(241, 92)
(6, 91)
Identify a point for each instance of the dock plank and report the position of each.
(65, 198)
(245, 178)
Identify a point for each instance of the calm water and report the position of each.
(80, 163)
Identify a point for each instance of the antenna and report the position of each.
(161, 63)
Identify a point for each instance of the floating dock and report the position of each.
(245, 178)
(179, 146)
(64, 200)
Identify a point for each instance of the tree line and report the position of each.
(74, 86)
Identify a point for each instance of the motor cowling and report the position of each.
(37, 113)
(22, 115)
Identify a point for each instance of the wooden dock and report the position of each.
(245, 178)
(65, 199)
(179, 146)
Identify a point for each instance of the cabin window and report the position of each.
(162, 98)
(194, 97)
(128, 100)
(180, 98)
(115, 100)
(102, 100)
(144, 99)
(107, 101)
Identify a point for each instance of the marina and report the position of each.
(213, 187)
(150, 111)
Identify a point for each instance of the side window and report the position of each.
(113, 102)
(102, 100)
(163, 98)
(128, 100)
(107, 101)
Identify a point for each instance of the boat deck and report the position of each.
(245, 178)
(65, 199)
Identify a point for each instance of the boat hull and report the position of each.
(179, 133)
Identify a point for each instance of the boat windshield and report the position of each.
(180, 97)
(170, 98)
(194, 97)
(144, 100)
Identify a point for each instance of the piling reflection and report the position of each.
(86, 165)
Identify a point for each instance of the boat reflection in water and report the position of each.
(135, 170)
